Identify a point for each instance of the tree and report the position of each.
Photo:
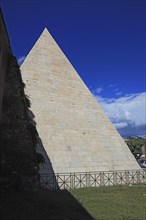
(135, 145)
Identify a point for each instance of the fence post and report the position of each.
(87, 180)
(144, 176)
(115, 178)
(127, 177)
(138, 176)
(72, 181)
(55, 180)
(102, 178)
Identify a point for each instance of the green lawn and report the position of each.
(107, 203)
(114, 203)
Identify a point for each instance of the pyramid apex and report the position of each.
(46, 33)
(45, 30)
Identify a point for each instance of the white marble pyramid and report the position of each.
(76, 134)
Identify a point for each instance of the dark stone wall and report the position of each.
(5, 51)
(17, 131)
(18, 134)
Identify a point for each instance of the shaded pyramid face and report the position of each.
(76, 134)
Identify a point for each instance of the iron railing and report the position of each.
(91, 179)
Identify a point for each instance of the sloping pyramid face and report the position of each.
(76, 134)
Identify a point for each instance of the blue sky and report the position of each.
(105, 42)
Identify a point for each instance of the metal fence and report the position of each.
(91, 179)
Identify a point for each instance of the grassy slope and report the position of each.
(108, 203)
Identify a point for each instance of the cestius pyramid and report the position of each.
(75, 133)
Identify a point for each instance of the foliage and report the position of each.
(135, 144)
(18, 133)
(40, 158)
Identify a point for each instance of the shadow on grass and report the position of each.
(41, 205)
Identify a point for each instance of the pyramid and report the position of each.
(75, 133)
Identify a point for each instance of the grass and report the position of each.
(114, 203)
(107, 203)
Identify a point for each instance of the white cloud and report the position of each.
(118, 93)
(116, 90)
(112, 85)
(120, 124)
(127, 113)
(21, 59)
(97, 91)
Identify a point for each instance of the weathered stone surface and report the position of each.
(76, 134)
